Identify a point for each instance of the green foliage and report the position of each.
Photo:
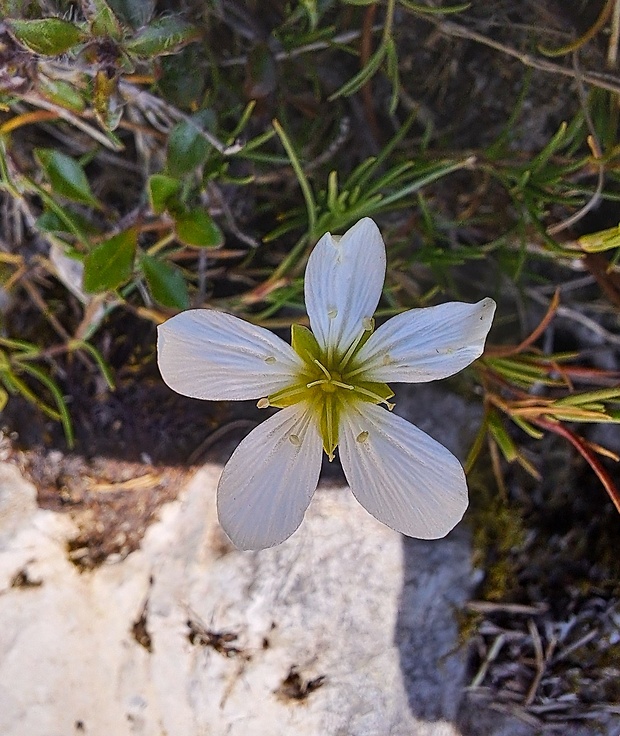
(19, 374)
(66, 176)
(47, 36)
(165, 283)
(110, 264)
(162, 37)
(162, 190)
(187, 146)
(197, 228)
(181, 129)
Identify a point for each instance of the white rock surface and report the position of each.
(325, 603)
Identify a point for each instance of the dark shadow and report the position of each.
(436, 584)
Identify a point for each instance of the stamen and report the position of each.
(284, 394)
(342, 385)
(362, 436)
(374, 396)
(347, 356)
(368, 324)
(350, 374)
(262, 403)
(324, 369)
(317, 383)
(294, 440)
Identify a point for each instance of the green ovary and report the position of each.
(325, 386)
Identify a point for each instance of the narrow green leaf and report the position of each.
(47, 36)
(501, 436)
(165, 283)
(187, 147)
(52, 387)
(110, 264)
(603, 394)
(164, 36)
(360, 79)
(429, 9)
(94, 353)
(527, 427)
(66, 176)
(197, 228)
(162, 189)
(601, 241)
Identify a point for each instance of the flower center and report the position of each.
(328, 383)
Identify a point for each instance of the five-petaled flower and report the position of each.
(331, 387)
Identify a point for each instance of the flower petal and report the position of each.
(268, 482)
(212, 355)
(399, 474)
(427, 344)
(344, 280)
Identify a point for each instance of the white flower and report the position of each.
(330, 385)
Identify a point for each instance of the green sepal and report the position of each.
(380, 389)
(304, 343)
(289, 396)
(329, 421)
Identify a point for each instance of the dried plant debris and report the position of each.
(545, 633)
(112, 502)
(140, 630)
(223, 642)
(298, 688)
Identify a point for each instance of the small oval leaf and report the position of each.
(187, 146)
(198, 228)
(164, 36)
(66, 176)
(47, 36)
(165, 283)
(102, 20)
(110, 264)
(162, 189)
